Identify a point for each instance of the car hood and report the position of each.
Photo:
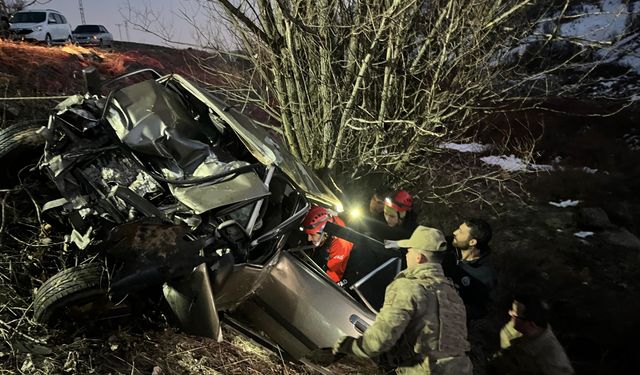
(24, 25)
(264, 146)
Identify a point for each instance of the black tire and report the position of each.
(47, 40)
(20, 135)
(20, 146)
(78, 286)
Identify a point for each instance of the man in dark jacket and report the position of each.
(471, 269)
(376, 203)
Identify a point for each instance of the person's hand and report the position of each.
(388, 244)
(343, 345)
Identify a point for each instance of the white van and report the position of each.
(40, 25)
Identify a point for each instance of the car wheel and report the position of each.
(69, 39)
(47, 40)
(22, 135)
(20, 147)
(75, 293)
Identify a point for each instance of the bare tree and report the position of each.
(12, 6)
(361, 85)
(355, 86)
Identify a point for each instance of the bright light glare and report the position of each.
(355, 213)
(339, 208)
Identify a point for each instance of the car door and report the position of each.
(300, 308)
(106, 35)
(65, 28)
(52, 26)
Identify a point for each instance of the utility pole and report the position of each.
(119, 30)
(81, 12)
(126, 30)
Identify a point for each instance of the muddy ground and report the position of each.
(592, 283)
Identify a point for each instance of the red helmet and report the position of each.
(316, 219)
(401, 201)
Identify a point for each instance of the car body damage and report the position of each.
(169, 191)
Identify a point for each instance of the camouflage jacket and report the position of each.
(541, 355)
(422, 318)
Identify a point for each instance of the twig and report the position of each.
(4, 201)
(24, 335)
(284, 365)
(186, 351)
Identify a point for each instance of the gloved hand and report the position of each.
(344, 345)
(388, 244)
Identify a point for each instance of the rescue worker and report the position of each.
(376, 203)
(398, 211)
(469, 266)
(421, 328)
(331, 253)
(528, 345)
(400, 219)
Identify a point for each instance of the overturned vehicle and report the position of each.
(165, 190)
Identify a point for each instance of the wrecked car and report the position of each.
(163, 187)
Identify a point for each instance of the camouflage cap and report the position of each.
(425, 239)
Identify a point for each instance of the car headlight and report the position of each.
(94, 37)
(37, 28)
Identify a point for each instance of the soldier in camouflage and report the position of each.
(528, 345)
(421, 328)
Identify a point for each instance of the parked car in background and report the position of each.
(96, 35)
(46, 26)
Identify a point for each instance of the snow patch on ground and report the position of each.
(583, 234)
(603, 23)
(601, 28)
(513, 164)
(625, 51)
(565, 203)
(468, 147)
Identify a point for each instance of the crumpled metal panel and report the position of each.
(263, 146)
(191, 300)
(156, 122)
(204, 197)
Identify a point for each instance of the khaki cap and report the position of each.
(425, 239)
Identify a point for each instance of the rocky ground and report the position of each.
(592, 281)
